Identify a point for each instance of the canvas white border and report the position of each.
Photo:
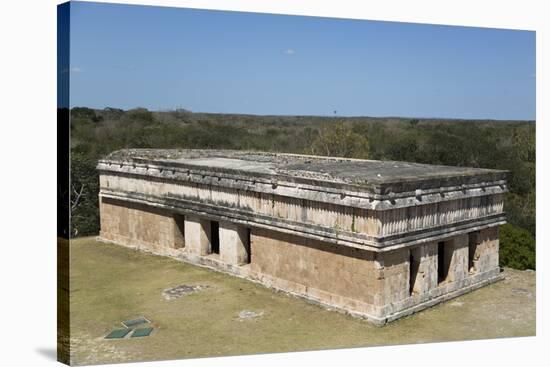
(27, 269)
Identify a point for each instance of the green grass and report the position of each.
(111, 283)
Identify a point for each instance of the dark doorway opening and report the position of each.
(179, 231)
(414, 266)
(473, 241)
(442, 269)
(214, 237)
(248, 247)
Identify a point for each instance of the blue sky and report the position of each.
(212, 61)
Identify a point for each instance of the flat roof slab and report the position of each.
(400, 176)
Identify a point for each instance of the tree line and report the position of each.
(508, 145)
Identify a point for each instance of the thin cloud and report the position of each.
(290, 51)
(76, 69)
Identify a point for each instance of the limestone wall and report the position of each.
(292, 209)
(348, 220)
(378, 285)
(485, 251)
(332, 274)
(392, 276)
(423, 260)
(140, 226)
(375, 284)
(409, 277)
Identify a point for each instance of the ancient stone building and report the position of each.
(377, 239)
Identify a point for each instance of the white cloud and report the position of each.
(76, 69)
(290, 51)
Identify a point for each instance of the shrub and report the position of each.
(517, 248)
(339, 140)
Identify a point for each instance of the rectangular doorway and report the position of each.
(248, 246)
(442, 263)
(414, 267)
(179, 231)
(214, 237)
(473, 242)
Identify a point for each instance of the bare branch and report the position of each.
(76, 200)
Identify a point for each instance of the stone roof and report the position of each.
(381, 177)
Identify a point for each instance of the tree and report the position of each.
(339, 140)
(414, 122)
(517, 248)
(83, 196)
(139, 115)
(403, 147)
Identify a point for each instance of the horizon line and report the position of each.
(311, 115)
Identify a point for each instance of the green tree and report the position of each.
(403, 148)
(339, 140)
(84, 195)
(517, 248)
(414, 122)
(139, 114)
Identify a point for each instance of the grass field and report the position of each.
(109, 284)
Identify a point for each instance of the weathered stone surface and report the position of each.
(181, 290)
(234, 244)
(339, 206)
(197, 239)
(247, 315)
(316, 266)
(383, 177)
(136, 225)
(487, 250)
(456, 256)
(360, 236)
(424, 259)
(393, 277)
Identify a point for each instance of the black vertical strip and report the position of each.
(63, 184)
(63, 119)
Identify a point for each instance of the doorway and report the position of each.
(214, 237)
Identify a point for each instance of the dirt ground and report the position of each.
(218, 314)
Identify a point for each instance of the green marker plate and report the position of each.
(134, 322)
(118, 334)
(142, 332)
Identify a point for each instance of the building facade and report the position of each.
(377, 239)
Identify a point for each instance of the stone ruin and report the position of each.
(377, 239)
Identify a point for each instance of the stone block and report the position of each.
(423, 263)
(234, 243)
(197, 235)
(392, 276)
(456, 256)
(488, 249)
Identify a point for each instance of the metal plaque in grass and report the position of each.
(141, 332)
(118, 334)
(131, 323)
